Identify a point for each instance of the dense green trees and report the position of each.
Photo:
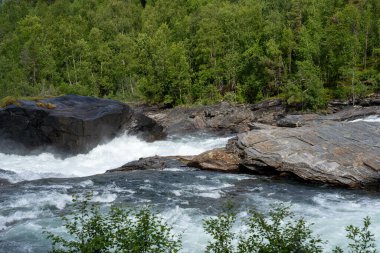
(174, 52)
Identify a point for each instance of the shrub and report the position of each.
(141, 231)
(263, 235)
(116, 231)
(220, 230)
(362, 240)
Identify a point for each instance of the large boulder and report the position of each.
(69, 124)
(337, 153)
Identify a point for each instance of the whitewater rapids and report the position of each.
(111, 155)
(43, 185)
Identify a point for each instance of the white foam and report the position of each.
(86, 183)
(41, 199)
(104, 198)
(331, 213)
(173, 169)
(114, 154)
(211, 195)
(373, 118)
(188, 223)
(177, 193)
(17, 216)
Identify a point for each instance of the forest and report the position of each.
(175, 52)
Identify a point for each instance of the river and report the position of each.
(42, 187)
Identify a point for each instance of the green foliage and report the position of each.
(281, 232)
(200, 51)
(220, 230)
(278, 233)
(144, 233)
(129, 231)
(307, 89)
(361, 239)
(8, 101)
(90, 230)
(88, 227)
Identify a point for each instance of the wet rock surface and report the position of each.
(337, 153)
(217, 160)
(319, 148)
(153, 163)
(69, 124)
(348, 113)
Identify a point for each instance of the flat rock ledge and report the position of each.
(336, 153)
(154, 163)
(214, 160)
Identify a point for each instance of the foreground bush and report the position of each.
(116, 231)
(143, 232)
(280, 232)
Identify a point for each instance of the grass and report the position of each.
(11, 100)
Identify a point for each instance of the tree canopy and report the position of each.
(196, 51)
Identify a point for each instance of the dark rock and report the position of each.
(153, 163)
(296, 120)
(146, 128)
(337, 153)
(374, 101)
(349, 113)
(4, 181)
(71, 124)
(371, 100)
(268, 104)
(352, 113)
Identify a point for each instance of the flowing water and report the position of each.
(42, 187)
(373, 118)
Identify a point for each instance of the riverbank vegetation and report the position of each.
(197, 51)
(90, 230)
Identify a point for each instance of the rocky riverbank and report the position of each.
(344, 153)
(225, 118)
(324, 149)
(319, 148)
